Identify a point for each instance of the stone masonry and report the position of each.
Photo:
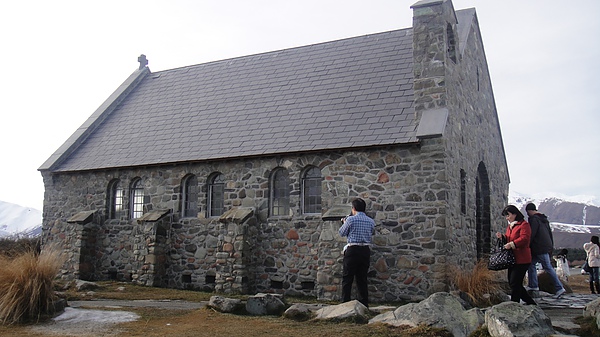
(406, 192)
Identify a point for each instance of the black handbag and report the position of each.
(501, 258)
(586, 266)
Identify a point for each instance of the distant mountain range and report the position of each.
(16, 220)
(573, 222)
(573, 219)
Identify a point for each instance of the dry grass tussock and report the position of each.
(479, 284)
(26, 285)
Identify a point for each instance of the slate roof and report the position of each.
(355, 92)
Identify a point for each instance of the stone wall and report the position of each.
(404, 188)
(452, 75)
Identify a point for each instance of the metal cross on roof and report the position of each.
(143, 61)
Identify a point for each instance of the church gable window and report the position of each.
(463, 191)
(451, 43)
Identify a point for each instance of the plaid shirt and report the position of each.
(358, 228)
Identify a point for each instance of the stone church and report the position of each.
(232, 176)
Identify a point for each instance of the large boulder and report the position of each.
(81, 285)
(440, 310)
(592, 309)
(223, 304)
(302, 311)
(352, 311)
(546, 283)
(265, 304)
(514, 319)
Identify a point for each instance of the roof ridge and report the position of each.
(278, 50)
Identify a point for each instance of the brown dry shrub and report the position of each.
(26, 285)
(479, 284)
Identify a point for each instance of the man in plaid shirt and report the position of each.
(358, 228)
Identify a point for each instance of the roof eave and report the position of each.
(95, 119)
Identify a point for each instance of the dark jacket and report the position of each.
(542, 241)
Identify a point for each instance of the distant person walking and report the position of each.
(358, 228)
(592, 250)
(542, 245)
(562, 265)
(517, 236)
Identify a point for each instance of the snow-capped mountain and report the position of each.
(19, 220)
(578, 210)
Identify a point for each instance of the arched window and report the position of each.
(189, 196)
(115, 199)
(216, 195)
(136, 199)
(311, 190)
(280, 192)
(483, 222)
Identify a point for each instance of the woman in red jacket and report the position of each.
(517, 237)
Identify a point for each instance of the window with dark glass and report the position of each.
(216, 195)
(115, 199)
(280, 193)
(311, 190)
(451, 43)
(463, 191)
(136, 199)
(189, 196)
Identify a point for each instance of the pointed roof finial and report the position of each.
(143, 61)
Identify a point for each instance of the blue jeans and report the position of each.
(594, 277)
(532, 278)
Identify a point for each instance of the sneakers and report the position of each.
(534, 289)
(559, 293)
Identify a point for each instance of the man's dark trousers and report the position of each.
(356, 264)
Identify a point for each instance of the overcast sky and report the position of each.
(62, 59)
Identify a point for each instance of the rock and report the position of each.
(440, 310)
(592, 309)
(546, 283)
(352, 311)
(381, 309)
(81, 285)
(265, 304)
(514, 319)
(223, 304)
(302, 312)
(58, 306)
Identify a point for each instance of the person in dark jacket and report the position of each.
(542, 245)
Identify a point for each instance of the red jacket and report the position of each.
(520, 235)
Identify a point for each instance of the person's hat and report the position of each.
(530, 207)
